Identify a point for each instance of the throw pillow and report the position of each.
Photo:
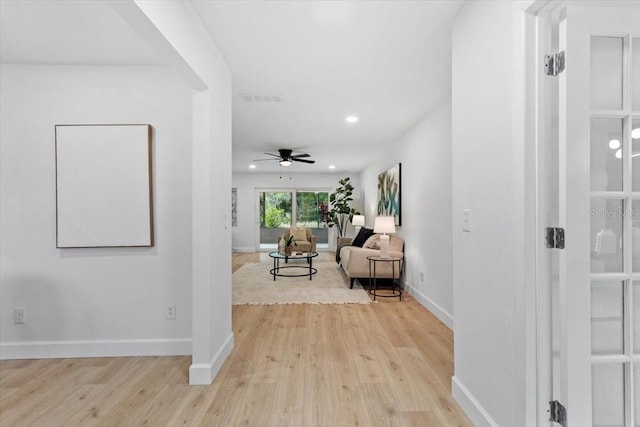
(362, 237)
(299, 234)
(373, 242)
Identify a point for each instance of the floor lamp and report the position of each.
(384, 225)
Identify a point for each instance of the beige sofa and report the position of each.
(355, 264)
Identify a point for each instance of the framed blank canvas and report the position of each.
(103, 186)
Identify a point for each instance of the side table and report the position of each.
(395, 292)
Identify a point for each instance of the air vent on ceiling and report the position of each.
(248, 97)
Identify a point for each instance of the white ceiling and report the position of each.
(69, 32)
(384, 61)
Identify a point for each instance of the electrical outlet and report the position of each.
(171, 312)
(18, 315)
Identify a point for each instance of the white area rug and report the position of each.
(253, 284)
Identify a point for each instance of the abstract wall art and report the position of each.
(234, 207)
(389, 200)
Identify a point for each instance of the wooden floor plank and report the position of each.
(383, 364)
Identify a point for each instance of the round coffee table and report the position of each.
(277, 269)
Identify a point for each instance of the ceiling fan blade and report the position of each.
(274, 155)
(264, 160)
(297, 156)
(302, 160)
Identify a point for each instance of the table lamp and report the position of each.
(358, 222)
(384, 225)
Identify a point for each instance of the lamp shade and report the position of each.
(358, 220)
(384, 224)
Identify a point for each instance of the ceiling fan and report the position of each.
(286, 157)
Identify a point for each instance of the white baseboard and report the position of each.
(204, 373)
(94, 348)
(476, 413)
(430, 305)
(243, 249)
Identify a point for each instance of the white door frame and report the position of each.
(538, 134)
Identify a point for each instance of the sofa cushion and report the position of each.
(299, 234)
(362, 237)
(372, 242)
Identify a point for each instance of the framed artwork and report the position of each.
(103, 186)
(234, 207)
(389, 200)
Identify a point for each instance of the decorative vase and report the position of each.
(287, 250)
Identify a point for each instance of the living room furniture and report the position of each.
(375, 265)
(303, 239)
(354, 262)
(277, 269)
(383, 225)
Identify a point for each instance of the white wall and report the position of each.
(174, 29)
(425, 154)
(244, 235)
(75, 297)
(489, 178)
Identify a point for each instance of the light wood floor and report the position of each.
(387, 364)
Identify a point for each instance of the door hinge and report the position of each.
(554, 237)
(554, 64)
(557, 413)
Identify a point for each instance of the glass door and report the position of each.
(275, 214)
(599, 194)
(277, 211)
(309, 213)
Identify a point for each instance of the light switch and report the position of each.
(466, 220)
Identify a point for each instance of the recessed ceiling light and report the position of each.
(635, 133)
(614, 144)
(619, 154)
(332, 166)
(351, 119)
(252, 166)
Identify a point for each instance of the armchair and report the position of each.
(303, 238)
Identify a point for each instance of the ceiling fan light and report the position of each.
(285, 162)
(614, 144)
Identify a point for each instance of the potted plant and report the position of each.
(288, 242)
(340, 212)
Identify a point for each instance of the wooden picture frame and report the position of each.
(104, 192)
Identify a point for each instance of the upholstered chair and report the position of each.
(303, 238)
